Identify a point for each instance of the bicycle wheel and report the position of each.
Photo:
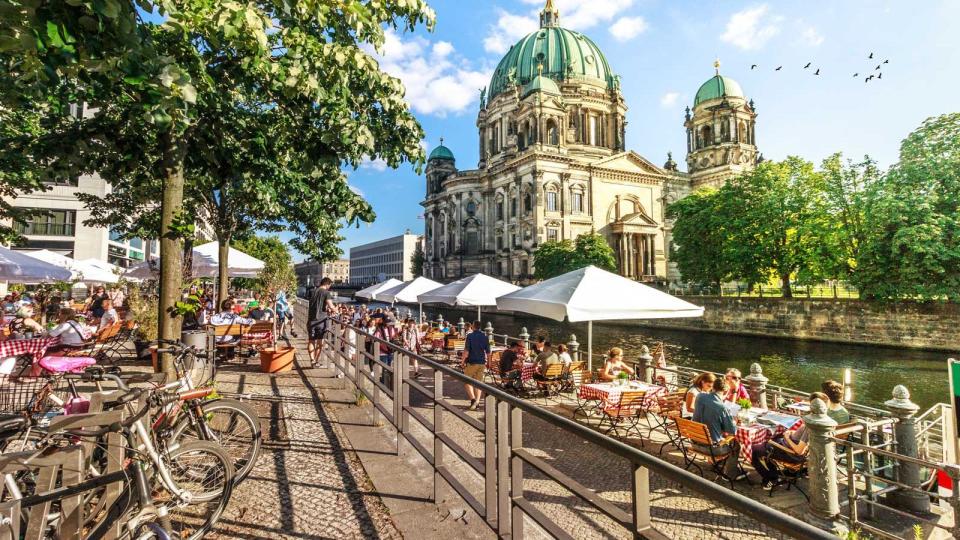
(205, 471)
(233, 425)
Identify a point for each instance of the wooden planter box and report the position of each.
(277, 360)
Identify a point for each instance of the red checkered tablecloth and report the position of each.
(753, 434)
(609, 393)
(529, 368)
(36, 346)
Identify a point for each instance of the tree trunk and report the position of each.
(223, 275)
(171, 266)
(785, 284)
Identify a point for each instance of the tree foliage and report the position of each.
(699, 236)
(911, 247)
(277, 273)
(556, 258)
(417, 260)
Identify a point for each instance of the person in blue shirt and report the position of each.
(475, 353)
(708, 409)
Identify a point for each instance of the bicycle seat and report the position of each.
(11, 423)
(66, 364)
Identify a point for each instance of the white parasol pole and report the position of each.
(478, 313)
(590, 345)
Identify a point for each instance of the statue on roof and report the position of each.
(483, 97)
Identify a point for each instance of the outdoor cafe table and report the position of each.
(35, 346)
(609, 393)
(756, 433)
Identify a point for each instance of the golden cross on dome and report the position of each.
(716, 64)
(441, 141)
(540, 69)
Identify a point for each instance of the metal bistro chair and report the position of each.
(695, 442)
(669, 407)
(569, 384)
(586, 406)
(791, 470)
(550, 381)
(627, 412)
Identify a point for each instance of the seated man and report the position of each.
(510, 364)
(709, 410)
(227, 316)
(790, 447)
(545, 359)
(110, 316)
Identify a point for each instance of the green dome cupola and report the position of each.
(718, 87)
(442, 153)
(564, 55)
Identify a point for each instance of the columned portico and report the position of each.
(635, 245)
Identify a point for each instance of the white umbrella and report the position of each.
(476, 290)
(408, 292)
(96, 271)
(591, 294)
(206, 260)
(373, 289)
(18, 267)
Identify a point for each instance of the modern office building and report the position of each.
(310, 272)
(384, 259)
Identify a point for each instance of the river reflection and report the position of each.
(796, 364)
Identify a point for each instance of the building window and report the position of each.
(54, 223)
(552, 201)
(136, 243)
(552, 235)
(577, 201)
(499, 243)
(513, 207)
(500, 209)
(527, 203)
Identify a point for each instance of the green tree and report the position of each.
(416, 261)
(556, 258)
(912, 219)
(700, 237)
(277, 273)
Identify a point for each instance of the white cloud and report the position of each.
(357, 190)
(669, 99)
(628, 28)
(378, 165)
(437, 80)
(574, 14)
(811, 36)
(750, 29)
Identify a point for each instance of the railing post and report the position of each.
(516, 471)
(574, 347)
(525, 338)
(377, 372)
(439, 320)
(908, 473)
(503, 469)
(645, 365)
(641, 499)
(757, 386)
(399, 359)
(359, 357)
(461, 326)
(824, 509)
(488, 331)
(490, 460)
(437, 430)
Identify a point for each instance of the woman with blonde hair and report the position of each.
(614, 365)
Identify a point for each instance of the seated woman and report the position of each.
(735, 387)
(835, 409)
(71, 333)
(790, 447)
(110, 316)
(564, 354)
(24, 323)
(614, 365)
(702, 383)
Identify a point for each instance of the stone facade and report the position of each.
(904, 324)
(554, 165)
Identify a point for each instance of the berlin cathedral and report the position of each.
(554, 165)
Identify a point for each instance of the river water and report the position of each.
(802, 365)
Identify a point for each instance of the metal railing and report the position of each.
(383, 377)
(873, 475)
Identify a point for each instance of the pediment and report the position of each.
(630, 162)
(637, 218)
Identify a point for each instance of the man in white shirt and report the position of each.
(227, 317)
(70, 332)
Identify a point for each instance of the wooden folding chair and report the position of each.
(695, 442)
(234, 330)
(457, 347)
(669, 407)
(587, 406)
(550, 381)
(625, 413)
(568, 383)
(791, 470)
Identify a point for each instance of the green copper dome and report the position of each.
(564, 55)
(441, 152)
(541, 84)
(718, 87)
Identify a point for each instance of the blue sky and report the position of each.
(664, 50)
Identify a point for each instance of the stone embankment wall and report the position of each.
(931, 326)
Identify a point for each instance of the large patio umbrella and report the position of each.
(206, 263)
(373, 289)
(476, 290)
(18, 267)
(96, 271)
(592, 294)
(408, 292)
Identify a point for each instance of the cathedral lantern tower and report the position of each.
(721, 138)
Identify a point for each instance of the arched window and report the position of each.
(553, 134)
(707, 136)
(527, 203)
(500, 208)
(553, 203)
(724, 131)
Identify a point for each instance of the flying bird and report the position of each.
(880, 76)
(871, 56)
(855, 75)
(817, 72)
(878, 67)
(778, 68)
(808, 65)
(886, 61)
(754, 66)
(868, 79)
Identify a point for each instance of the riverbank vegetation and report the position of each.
(893, 234)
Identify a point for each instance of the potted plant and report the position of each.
(742, 415)
(277, 359)
(622, 378)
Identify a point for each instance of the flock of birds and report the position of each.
(872, 76)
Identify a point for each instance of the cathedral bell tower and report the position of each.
(721, 138)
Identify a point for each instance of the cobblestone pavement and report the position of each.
(312, 487)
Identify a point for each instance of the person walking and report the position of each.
(475, 353)
(321, 306)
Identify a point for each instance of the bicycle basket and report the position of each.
(23, 394)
